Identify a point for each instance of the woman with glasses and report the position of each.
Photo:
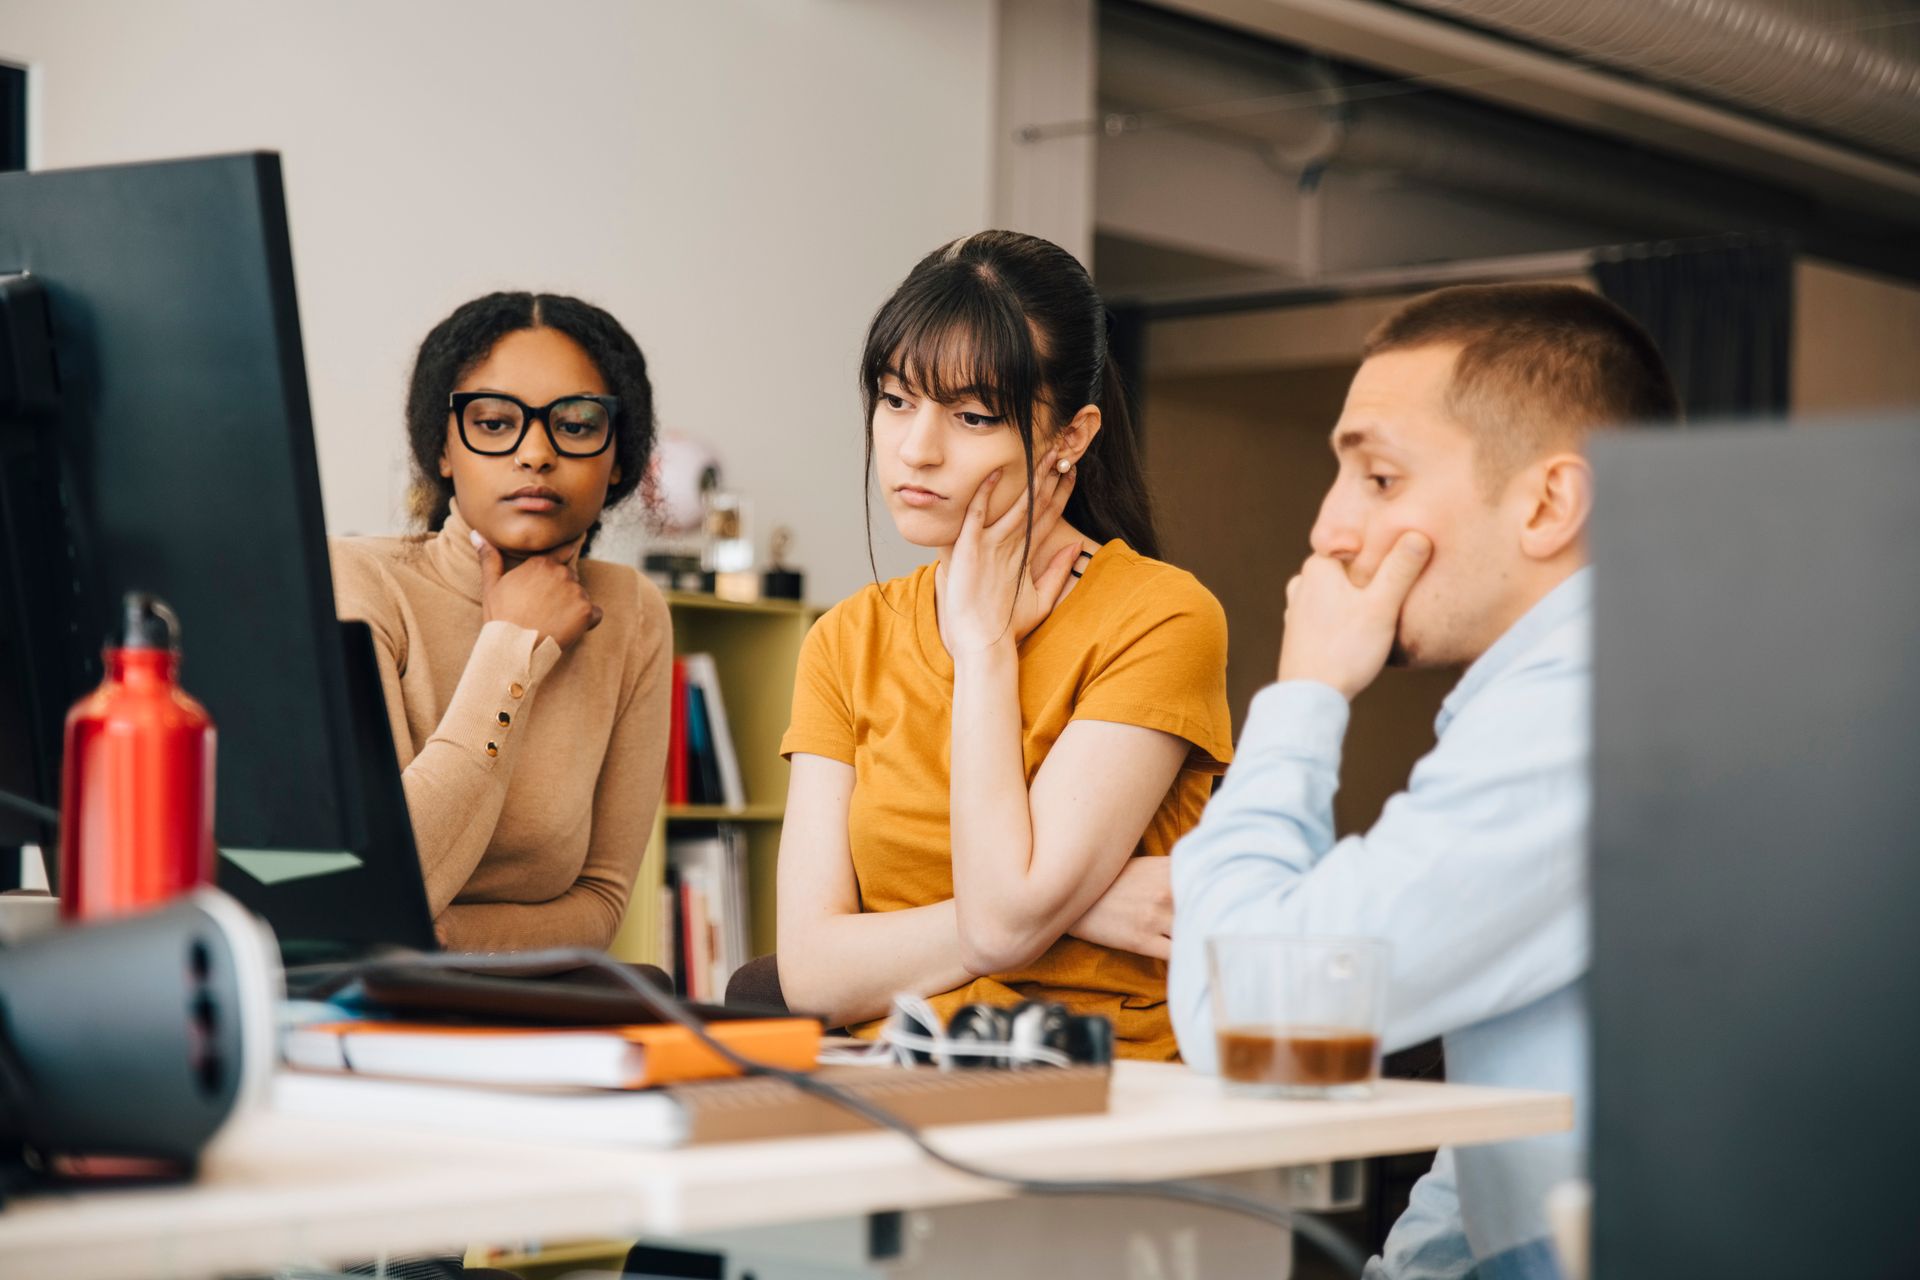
(527, 686)
(992, 755)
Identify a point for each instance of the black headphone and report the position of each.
(1029, 1034)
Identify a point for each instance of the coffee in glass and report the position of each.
(1299, 1017)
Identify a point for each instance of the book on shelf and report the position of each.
(677, 736)
(702, 765)
(703, 675)
(707, 871)
(668, 957)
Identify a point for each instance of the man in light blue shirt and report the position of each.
(1453, 536)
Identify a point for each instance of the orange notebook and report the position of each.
(591, 1057)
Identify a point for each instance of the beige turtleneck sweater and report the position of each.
(532, 775)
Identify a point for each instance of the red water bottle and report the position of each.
(136, 790)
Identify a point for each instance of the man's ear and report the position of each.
(1561, 494)
(1077, 437)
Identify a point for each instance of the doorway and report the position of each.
(13, 118)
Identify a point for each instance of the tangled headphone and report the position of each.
(1029, 1034)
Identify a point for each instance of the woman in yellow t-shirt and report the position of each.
(993, 755)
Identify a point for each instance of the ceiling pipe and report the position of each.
(1303, 114)
(1846, 69)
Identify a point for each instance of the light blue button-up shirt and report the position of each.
(1476, 874)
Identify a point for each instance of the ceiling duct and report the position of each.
(1846, 69)
(1306, 115)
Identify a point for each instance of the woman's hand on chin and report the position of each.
(983, 583)
(542, 593)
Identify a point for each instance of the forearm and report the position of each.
(625, 800)
(847, 968)
(1474, 875)
(1006, 913)
(588, 914)
(1257, 840)
(457, 784)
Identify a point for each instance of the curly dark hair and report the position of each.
(463, 339)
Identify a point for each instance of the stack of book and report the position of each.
(702, 766)
(695, 1111)
(704, 907)
(539, 1057)
(583, 1083)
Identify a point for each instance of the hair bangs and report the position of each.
(955, 335)
(1014, 321)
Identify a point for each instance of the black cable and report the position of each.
(31, 808)
(1324, 1236)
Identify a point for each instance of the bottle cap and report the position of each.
(149, 623)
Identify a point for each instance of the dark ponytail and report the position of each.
(1015, 320)
(1110, 498)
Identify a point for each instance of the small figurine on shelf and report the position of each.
(728, 550)
(780, 582)
(685, 470)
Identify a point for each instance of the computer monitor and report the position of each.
(33, 548)
(1756, 851)
(178, 459)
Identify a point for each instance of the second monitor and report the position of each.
(179, 460)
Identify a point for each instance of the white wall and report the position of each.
(1047, 70)
(741, 182)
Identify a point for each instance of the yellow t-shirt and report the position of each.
(1136, 642)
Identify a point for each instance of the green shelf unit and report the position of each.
(756, 648)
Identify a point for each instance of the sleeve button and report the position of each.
(493, 749)
(517, 689)
(505, 720)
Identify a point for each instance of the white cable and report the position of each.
(897, 1046)
(943, 1049)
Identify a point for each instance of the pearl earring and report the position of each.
(1065, 465)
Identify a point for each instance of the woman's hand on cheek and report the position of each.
(984, 597)
(542, 593)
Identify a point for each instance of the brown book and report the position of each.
(743, 1110)
(734, 1110)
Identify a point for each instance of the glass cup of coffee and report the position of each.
(1299, 1017)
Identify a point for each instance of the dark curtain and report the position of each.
(1722, 314)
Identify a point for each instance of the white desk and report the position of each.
(282, 1190)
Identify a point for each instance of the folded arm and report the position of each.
(846, 964)
(836, 961)
(626, 797)
(1028, 863)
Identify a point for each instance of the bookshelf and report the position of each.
(756, 648)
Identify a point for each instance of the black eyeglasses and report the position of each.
(494, 423)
